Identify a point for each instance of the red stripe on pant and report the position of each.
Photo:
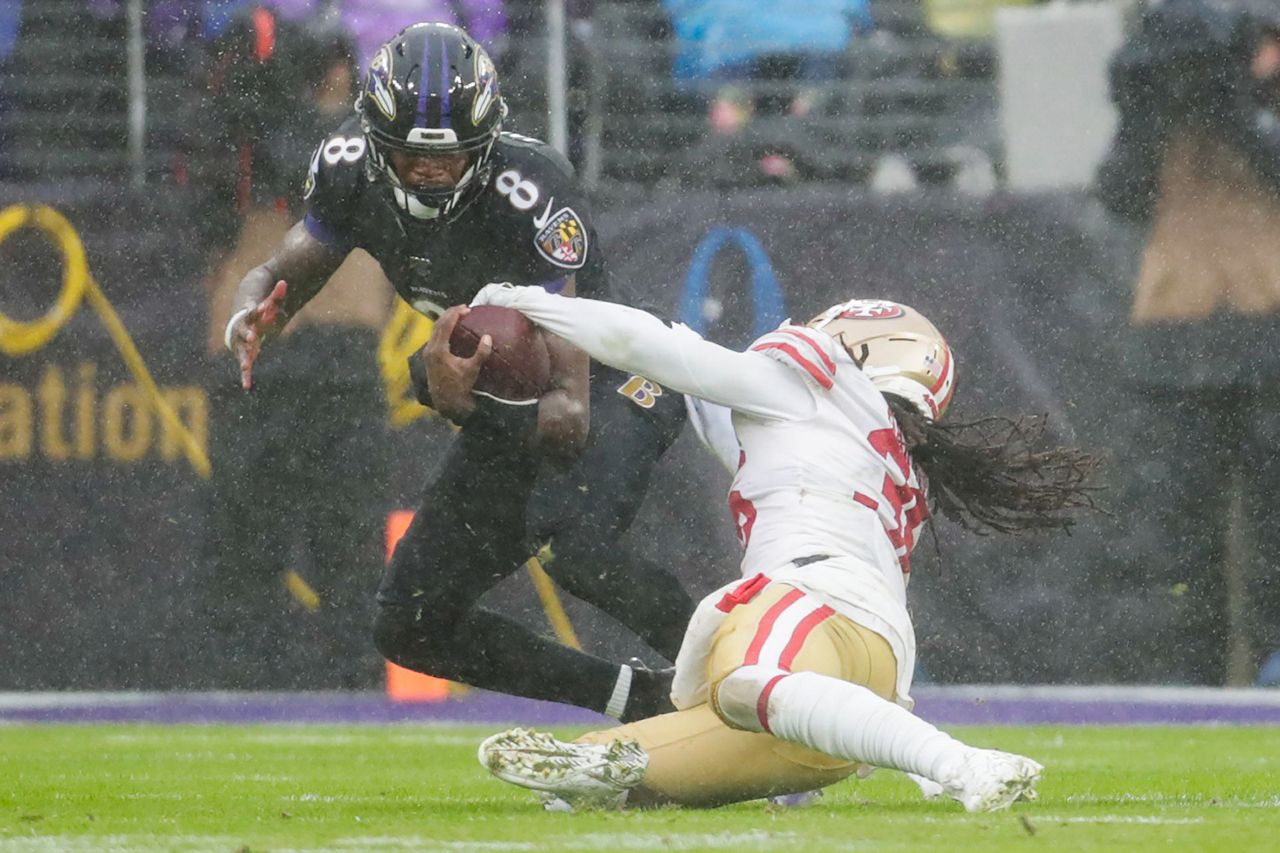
(766, 625)
(806, 626)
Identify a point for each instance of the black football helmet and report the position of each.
(432, 89)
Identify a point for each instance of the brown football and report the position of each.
(519, 368)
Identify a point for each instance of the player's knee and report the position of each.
(740, 698)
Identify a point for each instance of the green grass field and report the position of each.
(355, 788)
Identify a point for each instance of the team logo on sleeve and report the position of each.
(563, 240)
(379, 83)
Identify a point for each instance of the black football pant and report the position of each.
(485, 510)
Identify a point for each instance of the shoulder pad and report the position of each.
(538, 148)
(336, 165)
(538, 187)
(333, 184)
(803, 349)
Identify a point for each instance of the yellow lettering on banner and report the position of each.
(86, 437)
(19, 338)
(15, 422)
(52, 394)
(129, 430)
(192, 408)
(126, 423)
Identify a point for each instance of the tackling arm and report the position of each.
(673, 356)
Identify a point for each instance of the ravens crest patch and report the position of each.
(563, 240)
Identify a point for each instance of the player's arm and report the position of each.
(673, 356)
(274, 291)
(564, 411)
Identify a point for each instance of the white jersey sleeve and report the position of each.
(674, 356)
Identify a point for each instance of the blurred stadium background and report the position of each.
(944, 160)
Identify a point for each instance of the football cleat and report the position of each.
(552, 803)
(990, 780)
(581, 775)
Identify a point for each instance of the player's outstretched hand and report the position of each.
(248, 328)
(450, 378)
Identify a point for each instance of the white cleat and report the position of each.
(990, 780)
(591, 775)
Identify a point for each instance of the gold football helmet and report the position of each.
(901, 351)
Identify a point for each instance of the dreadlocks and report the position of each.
(985, 475)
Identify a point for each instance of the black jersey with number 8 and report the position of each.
(530, 225)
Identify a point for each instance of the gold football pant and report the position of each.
(696, 759)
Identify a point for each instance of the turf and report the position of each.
(356, 788)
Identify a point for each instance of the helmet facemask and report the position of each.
(431, 91)
(425, 205)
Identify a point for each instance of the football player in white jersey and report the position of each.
(798, 675)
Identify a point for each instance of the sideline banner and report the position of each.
(101, 512)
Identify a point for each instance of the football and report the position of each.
(519, 368)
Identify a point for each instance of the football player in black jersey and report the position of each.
(424, 180)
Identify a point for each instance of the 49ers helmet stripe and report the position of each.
(945, 387)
